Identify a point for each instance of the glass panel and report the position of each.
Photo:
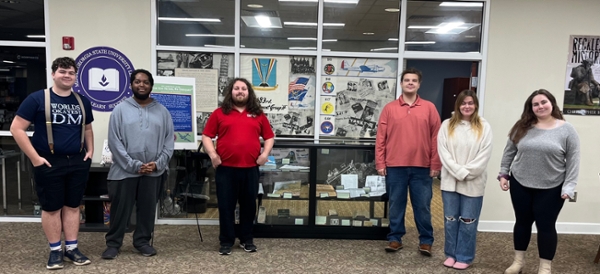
(365, 25)
(285, 85)
(279, 24)
(168, 63)
(353, 93)
(199, 23)
(16, 164)
(444, 26)
(348, 188)
(22, 71)
(22, 20)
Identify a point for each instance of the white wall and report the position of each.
(123, 25)
(528, 47)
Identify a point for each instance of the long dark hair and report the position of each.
(528, 118)
(252, 106)
(457, 115)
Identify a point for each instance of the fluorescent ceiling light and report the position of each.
(210, 35)
(368, 33)
(218, 46)
(255, 6)
(312, 24)
(384, 49)
(8, 62)
(326, 1)
(303, 48)
(420, 42)
(461, 4)
(4, 69)
(212, 20)
(329, 40)
(302, 38)
(262, 21)
(392, 39)
(421, 27)
(36, 36)
(392, 9)
(452, 28)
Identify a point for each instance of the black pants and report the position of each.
(236, 185)
(124, 194)
(541, 206)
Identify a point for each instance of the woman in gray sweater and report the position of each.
(540, 166)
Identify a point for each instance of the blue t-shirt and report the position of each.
(66, 119)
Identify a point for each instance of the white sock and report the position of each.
(70, 245)
(55, 246)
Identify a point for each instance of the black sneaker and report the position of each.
(110, 253)
(147, 250)
(225, 250)
(55, 261)
(248, 247)
(76, 257)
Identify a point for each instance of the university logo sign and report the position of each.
(103, 77)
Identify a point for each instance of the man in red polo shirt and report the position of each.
(238, 124)
(406, 153)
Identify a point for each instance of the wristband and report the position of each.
(505, 176)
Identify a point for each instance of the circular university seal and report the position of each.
(103, 77)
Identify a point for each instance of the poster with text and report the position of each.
(582, 89)
(177, 94)
(269, 77)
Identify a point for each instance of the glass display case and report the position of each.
(329, 190)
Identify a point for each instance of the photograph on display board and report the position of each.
(582, 87)
(295, 122)
(360, 67)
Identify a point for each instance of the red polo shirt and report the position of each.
(407, 135)
(238, 144)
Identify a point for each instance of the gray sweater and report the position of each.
(544, 158)
(138, 135)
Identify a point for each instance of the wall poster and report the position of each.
(582, 90)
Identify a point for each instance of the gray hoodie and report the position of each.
(138, 135)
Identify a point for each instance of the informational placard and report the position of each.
(207, 85)
(177, 94)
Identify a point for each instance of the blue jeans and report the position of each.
(398, 182)
(462, 217)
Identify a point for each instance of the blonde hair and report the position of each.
(457, 115)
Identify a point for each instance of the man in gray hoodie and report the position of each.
(141, 139)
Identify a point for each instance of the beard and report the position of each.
(140, 96)
(240, 102)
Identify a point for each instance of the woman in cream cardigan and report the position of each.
(465, 147)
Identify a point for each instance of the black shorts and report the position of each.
(64, 183)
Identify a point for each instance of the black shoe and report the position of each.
(55, 261)
(147, 250)
(110, 253)
(225, 250)
(77, 257)
(248, 247)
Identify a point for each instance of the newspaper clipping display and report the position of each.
(582, 89)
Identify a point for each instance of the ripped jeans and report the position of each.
(461, 217)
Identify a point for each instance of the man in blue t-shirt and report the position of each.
(61, 160)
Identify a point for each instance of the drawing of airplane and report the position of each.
(363, 68)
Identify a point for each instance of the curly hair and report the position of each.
(457, 115)
(63, 62)
(528, 118)
(252, 105)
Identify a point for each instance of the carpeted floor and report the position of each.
(23, 249)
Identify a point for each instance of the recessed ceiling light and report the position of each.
(36, 36)
(368, 33)
(313, 24)
(384, 49)
(303, 38)
(8, 62)
(392, 39)
(392, 10)
(420, 42)
(255, 6)
(210, 35)
(303, 48)
(329, 40)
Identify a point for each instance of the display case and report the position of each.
(310, 190)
